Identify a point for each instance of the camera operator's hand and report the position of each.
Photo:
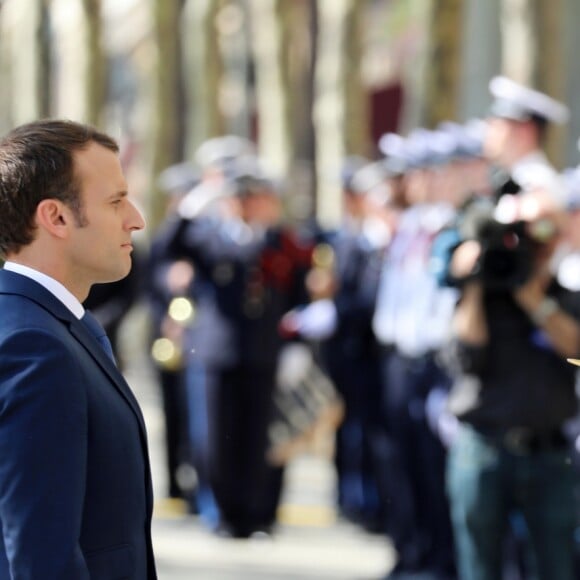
(469, 322)
(530, 295)
(464, 259)
(561, 328)
(545, 221)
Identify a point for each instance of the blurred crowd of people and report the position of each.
(442, 310)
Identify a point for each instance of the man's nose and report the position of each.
(136, 220)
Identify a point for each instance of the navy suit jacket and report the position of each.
(75, 486)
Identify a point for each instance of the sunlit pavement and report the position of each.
(310, 543)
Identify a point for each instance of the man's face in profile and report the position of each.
(99, 248)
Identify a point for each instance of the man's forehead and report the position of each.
(98, 164)
(94, 158)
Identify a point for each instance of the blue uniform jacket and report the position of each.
(75, 487)
(352, 348)
(241, 291)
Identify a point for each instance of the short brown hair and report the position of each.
(36, 163)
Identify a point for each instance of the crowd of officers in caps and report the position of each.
(443, 314)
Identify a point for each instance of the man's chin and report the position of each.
(116, 276)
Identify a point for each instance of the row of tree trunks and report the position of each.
(302, 59)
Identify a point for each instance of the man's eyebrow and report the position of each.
(119, 194)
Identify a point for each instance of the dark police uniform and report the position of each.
(246, 280)
(411, 322)
(350, 354)
(175, 181)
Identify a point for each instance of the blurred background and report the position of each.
(310, 82)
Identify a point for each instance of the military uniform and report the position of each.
(350, 353)
(175, 181)
(246, 279)
(519, 104)
(411, 322)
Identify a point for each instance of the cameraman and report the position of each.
(513, 391)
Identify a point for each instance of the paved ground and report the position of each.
(311, 543)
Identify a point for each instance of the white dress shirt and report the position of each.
(54, 287)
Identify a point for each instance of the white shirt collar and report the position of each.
(54, 287)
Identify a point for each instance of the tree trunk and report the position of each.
(481, 55)
(444, 66)
(571, 17)
(340, 114)
(233, 31)
(166, 117)
(284, 65)
(95, 80)
(357, 123)
(518, 34)
(202, 73)
(534, 32)
(300, 59)
(270, 43)
(25, 58)
(548, 73)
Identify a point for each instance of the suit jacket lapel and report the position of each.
(12, 283)
(83, 335)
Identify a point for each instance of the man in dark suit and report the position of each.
(75, 485)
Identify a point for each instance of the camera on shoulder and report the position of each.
(507, 251)
(506, 255)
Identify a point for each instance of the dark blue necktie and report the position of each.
(99, 333)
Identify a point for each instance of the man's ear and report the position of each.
(52, 215)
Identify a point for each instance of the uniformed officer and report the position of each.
(168, 279)
(411, 322)
(348, 347)
(215, 160)
(246, 269)
(516, 128)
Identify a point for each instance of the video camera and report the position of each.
(507, 251)
(506, 256)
